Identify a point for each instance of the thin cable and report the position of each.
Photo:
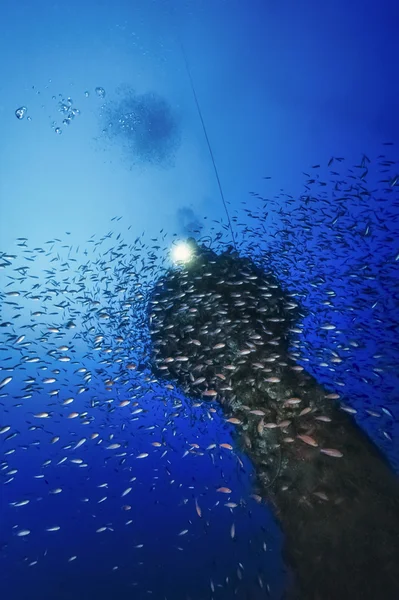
(207, 141)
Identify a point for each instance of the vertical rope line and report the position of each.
(207, 141)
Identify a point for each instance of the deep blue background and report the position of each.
(282, 86)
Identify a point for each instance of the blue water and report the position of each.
(110, 148)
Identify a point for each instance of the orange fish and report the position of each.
(73, 415)
(323, 418)
(308, 440)
(331, 452)
(124, 403)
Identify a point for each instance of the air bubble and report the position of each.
(100, 92)
(21, 112)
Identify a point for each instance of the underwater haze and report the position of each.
(127, 127)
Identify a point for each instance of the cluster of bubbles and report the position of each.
(146, 125)
(68, 111)
(65, 107)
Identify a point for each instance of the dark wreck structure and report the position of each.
(220, 331)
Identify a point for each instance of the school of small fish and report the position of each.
(76, 348)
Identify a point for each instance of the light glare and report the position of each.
(182, 252)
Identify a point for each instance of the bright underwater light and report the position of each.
(182, 252)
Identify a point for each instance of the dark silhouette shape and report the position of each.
(226, 325)
(145, 124)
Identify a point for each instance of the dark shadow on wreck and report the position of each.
(226, 325)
